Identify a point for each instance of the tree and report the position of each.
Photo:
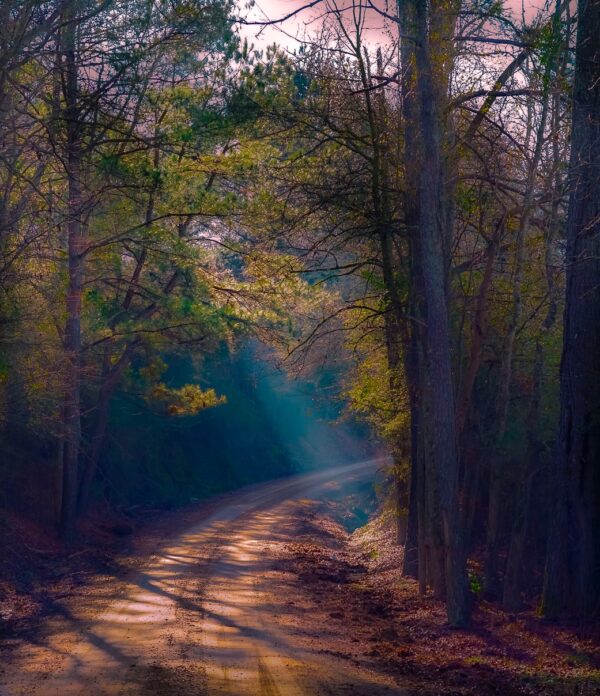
(572, 578)
(101, 101)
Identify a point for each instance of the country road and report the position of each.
(207, 615)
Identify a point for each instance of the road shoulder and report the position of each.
(376, 620)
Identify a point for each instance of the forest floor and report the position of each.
(353, 579)
(266, 592)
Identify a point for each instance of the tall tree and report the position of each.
(109, 56)
(572, 578)
(438, 412)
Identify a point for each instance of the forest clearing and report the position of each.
(299, 326)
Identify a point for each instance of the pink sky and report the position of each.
(283, 34)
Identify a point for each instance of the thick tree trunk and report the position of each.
(440, 429)
(433, 514)
(572, 579)
(414, 548)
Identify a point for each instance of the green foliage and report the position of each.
(187, 400)
(475, 583)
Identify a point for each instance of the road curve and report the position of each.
(201, 618)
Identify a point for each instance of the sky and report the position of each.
(287, 33)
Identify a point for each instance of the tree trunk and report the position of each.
(440, 429)
(470, 456)
(572, 578)
(478, 334)
(110, 380)
(411, 542)
(414, 547)
(515, 560)
(75, 250)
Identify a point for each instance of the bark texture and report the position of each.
(573, 564)
(440, 435)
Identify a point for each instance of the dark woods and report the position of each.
(410, 215)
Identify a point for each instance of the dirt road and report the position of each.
(208, 615)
